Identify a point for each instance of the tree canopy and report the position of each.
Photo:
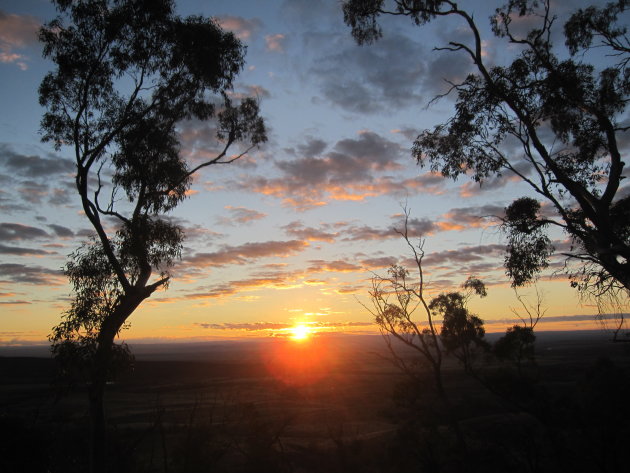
(565, 115)
(126, 74)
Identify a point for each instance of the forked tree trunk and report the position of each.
(128, 303)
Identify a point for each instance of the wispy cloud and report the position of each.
(16, 33)
(18, 231)
(275, 42)
(33, 166)
(298, 230)
(279, 280)
(336, 266)
(240, 216)
(352, 170)
(246, 253)
(20, 251)
(243, 28)
(385, 76)
(275, 326)
(36, 275)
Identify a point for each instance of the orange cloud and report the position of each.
(298, 230)
(279, 281)
(275, 42)
(241, 215)
(241, 27)
(337, 266)
(247, 253)
(448, 226)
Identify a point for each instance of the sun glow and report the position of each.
(300, 332)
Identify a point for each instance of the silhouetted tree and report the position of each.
(517, 345)
(462, 333)
(407, 321)
(395, 299)
(127, 73)
(565, 116)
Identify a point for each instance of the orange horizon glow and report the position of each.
(304, 363)
(301, 332)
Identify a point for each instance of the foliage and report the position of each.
(516, 345)
(127, 74)
(408, 324)
(75, 338)
(562, 112)
(462, 332)
(528, 246)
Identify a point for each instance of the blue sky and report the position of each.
(292, 232)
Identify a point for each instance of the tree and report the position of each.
(127, 73)
(517, 345)
(408, 324)
(462, 332)
(564, 114)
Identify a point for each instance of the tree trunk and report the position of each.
(452, 420)
(98, 432)
(100, 370)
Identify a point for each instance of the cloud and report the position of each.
(33, 166)
(7, 205)
(367, 233)
(255, 91)
(61, 231)
(313, 147)
(310, 14)
(348, 289)
(17, 231)
(338, 266)
(379, 262)
(385, 76)
(246, 253)
(416, 228)
(249, 327)
(268, 281)
(470, 217)
(36, 275)
(38, 173)
(276, 326)
(199, 139)
(243, 28)
(15, 302)
(16, 32)
(461, 256)
(559, 318)
(445, 70)
(14, 250)
(298, 230)
(496, 181)
(240, 216)
(275, 42)
(347, 172)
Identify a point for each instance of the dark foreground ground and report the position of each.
(333, 404)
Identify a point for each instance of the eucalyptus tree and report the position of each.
(566, 116)
(126, 74)
(462, 332)
(409, 322)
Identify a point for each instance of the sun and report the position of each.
(300, 332)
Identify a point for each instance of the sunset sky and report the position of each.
(292, 233)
